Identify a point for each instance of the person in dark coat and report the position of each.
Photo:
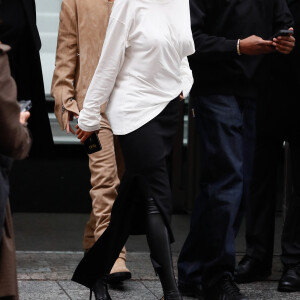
(229, 68)
(18, 29)
(14, 143)
(277, 121)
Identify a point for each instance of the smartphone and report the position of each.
(92, 143)
(25, 105)
(283, 32)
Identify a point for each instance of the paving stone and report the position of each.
(128, 290)
(154, 287)
(266, 291)
(60, 266)
(41, 290)
(47, 265)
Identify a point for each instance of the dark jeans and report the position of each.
(226, 127)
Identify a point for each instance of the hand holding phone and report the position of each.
(25, 105)
(92, 143)
(283, 41)
(24, 116)
(90, 140)
(283, 32)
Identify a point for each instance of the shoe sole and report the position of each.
(118, 277)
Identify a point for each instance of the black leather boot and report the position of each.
(100, 290)
(159, 244)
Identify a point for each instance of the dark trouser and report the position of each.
(261, 204)
(277, 121)
(290, 241)
(226, 126)
(260, 217)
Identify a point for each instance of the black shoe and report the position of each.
(290, 279)
(224, 289)
(250, 269)
(191, 290)
(119, 272)
(100, 290)
(119, 277)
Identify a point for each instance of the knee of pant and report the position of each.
(151, 207)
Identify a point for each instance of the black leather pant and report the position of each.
(159, 244)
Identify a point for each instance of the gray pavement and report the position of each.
(49, 248)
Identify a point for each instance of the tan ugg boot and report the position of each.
(119, 272)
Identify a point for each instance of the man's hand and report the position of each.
(24, 116)
(254, 45)
(71, 115)
(284, 44)
(82, 135)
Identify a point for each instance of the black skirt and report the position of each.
(145, 152)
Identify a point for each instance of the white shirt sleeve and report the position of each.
(102, 84)
(186, 77)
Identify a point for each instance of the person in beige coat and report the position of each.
(81, 34)
(15, 143)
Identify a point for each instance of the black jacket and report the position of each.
(216, 26)
(294, 6)
(18, 29)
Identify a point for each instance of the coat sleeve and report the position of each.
(63, 89)
(283, 18)
(15, 141)
(110, 63)
(205, 43)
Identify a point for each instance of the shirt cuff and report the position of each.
(89, 123)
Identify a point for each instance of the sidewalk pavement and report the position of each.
(45, 275)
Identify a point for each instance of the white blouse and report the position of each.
(143, 65)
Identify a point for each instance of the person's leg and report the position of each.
(208, 252)
(260, 214)
(291, 231)
(99, 260)
(8, 267)
(119, 272)
(104, 181)
(89, 229)
(261, 205)
(248, 109)
(159, 244)
(290, 240)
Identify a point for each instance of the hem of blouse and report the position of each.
(142, 122)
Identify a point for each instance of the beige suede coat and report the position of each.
(77, 54)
